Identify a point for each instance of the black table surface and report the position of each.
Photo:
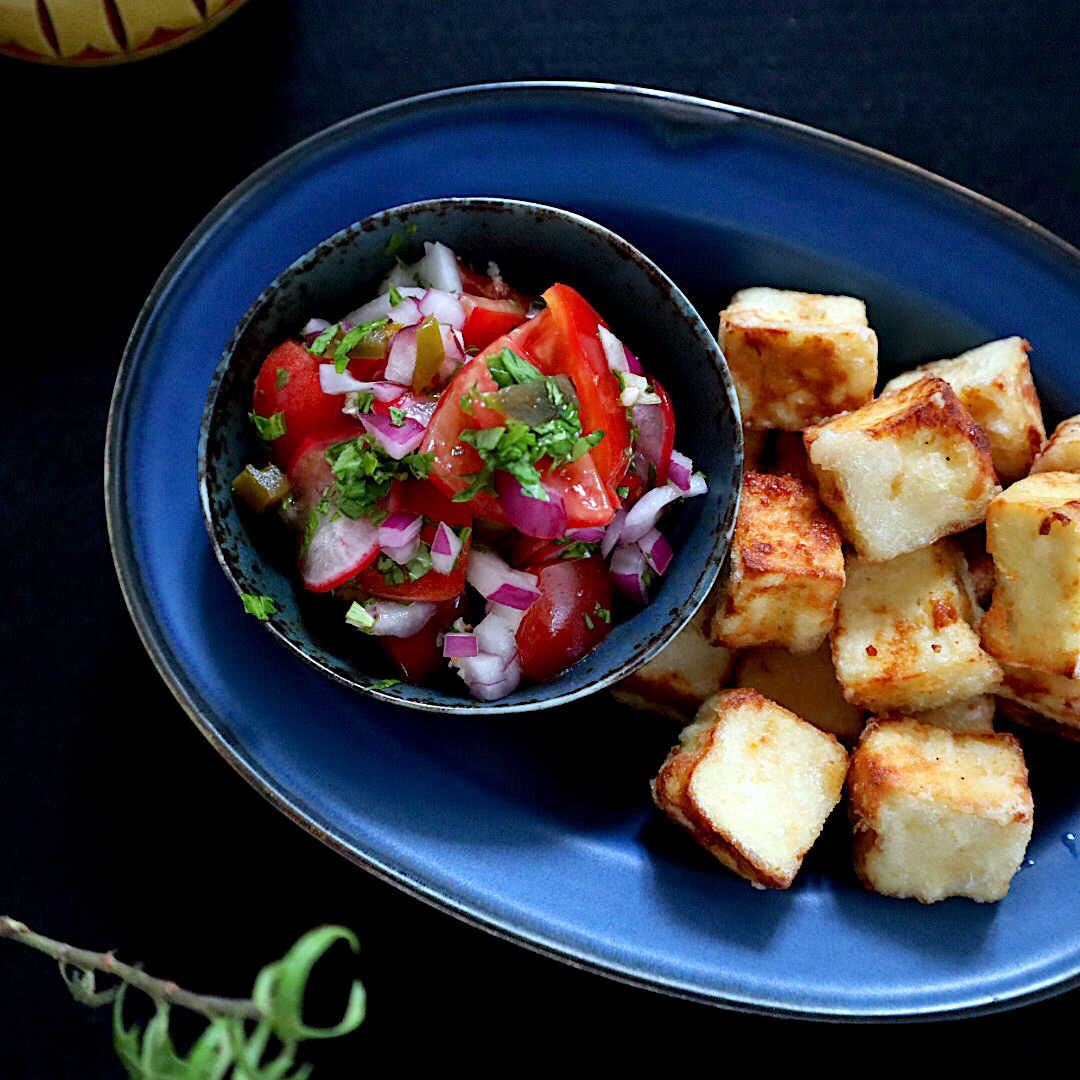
(120, 826)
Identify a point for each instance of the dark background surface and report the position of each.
(120, 827)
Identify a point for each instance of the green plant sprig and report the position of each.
(236, 1041)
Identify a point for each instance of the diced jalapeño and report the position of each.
(261, 488)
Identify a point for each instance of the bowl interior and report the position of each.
(534, 246)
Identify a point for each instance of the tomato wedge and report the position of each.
(563, 339)
(585, 496)
(485, 320)
(572, 616)
(288, 383)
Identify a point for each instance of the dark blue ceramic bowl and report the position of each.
(534, 245)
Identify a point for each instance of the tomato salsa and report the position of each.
(479, 476)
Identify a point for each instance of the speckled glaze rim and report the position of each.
(192, 699)
(596, 671)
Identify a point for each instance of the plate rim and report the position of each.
(155, 641)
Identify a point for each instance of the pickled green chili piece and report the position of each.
(261, 488)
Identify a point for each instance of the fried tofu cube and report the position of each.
(994, 384)
(904, 639)
(805, 684)
(1041, 700)
(972, 714)
(796, 357)
(753, 784)
(938, 813)
(1033, 533)
(784, 571)
(903, 471)
(1061, 453)
(682, 675)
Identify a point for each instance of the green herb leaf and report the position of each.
(318, 346)
(262, 607)
(359, 616)
(508, 369)
(269, 427)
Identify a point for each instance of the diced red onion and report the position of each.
(396, 439)
(531, 517)
(591, 534)
(453, 348)
(644, 514)
(312, 329)
(446, 308)
(511, 616)
(657, 550)
(403, 554)
(401, 359)
(650, 440)
(380, 307)
(332, 382)
(393, 619)
(457, 645)
(613, 532)
(680, 469)
(628, 568)
(618, 356)
(614, 351)
(487, 573)
(399, 529)
(438, 268)
(498, 635)
(495, 670)
(406, 313)
(489, 677)
(445, 549)
(698, 485)
(515, 596)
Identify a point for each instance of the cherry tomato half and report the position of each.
(569, 620)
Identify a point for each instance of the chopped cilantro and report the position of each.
(508, 369)
(282, 378)
(393, 244)
(351, 339)
(359, 616)
(588, 620)
(365, 401)
(602, 612)
(622, 491)
(262, 607)
(397, 416)
(269, 427)
(395, 296)
(383, 684)
(397, 574)
(576, 549)
(362, 475)
(516, 446)
(318, 346)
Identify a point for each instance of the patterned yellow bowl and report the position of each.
(81, 33)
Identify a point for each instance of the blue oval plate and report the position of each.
(541, 829)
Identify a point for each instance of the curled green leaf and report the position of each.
(280, 987)
(81, 983)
